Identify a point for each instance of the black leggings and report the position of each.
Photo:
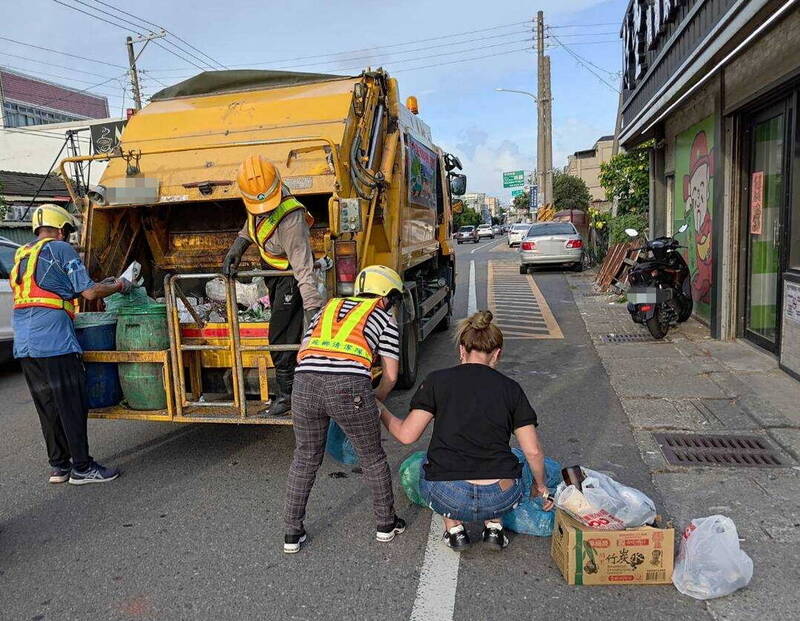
(286, 319)
(58, 388)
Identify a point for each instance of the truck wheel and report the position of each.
(409, 347)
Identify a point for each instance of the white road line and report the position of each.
(472, 299)
(485, 247)
(438, 578)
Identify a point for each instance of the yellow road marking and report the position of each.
(521, 312)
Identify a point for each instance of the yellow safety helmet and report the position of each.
(378, 280)
(53, 216)
(259, 184)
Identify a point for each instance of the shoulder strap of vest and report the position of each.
(354, 316)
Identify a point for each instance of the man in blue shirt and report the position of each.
(47, 277)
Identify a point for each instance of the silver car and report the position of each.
(551, 243)
(7, 251)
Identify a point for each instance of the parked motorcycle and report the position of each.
(660, 294)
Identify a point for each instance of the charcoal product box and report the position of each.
(643, 555)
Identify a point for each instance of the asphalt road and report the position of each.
(193, 529)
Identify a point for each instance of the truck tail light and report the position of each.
(646, 308)
(575, 243)
(527, 245)
(346, 262)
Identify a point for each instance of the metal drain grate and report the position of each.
(626, 338)
(695, 449)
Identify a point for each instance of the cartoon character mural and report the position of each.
(695, 205)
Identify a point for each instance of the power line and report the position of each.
(383, 47)
(78, 92)
(463, 60)
(141, 19)
(344, 60)
(586, 64)
(585, 25)
(573, 43)
(103, 19)
(586, 34)
(52, 75)
(135, 25)
(47, 49)
(49, 64)
(402, 60)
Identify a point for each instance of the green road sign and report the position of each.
(514, 179)
(516, 193)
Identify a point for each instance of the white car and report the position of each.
(7, 251)
(517, 233)
(485, 230)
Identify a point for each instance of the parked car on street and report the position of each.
(516, 232)
(549, 243)
(7, 251)
(485, 230)
(467, 233)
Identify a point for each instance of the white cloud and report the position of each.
(485, 161)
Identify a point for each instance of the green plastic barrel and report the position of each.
(143, 328)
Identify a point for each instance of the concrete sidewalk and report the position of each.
(692, 383)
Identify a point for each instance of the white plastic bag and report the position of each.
(605, 504)
(246, 294)
(710, 563)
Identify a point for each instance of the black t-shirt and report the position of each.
(475, 410)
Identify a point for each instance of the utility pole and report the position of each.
(132, 58)
(544, 155)
(137, 95)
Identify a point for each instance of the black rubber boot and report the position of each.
(282, 403)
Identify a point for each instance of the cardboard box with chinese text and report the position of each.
(642, 555)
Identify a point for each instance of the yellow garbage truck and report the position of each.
(364, 165)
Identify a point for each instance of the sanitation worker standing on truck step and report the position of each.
(334, 380)
(279, 225)
(46, 278)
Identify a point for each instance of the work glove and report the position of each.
(124, 285)
(231, 261)
(308, 315)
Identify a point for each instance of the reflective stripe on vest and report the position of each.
(261, 232)
(27, 292)
(342, 339)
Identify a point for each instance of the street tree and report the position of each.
(570, 192)
(625, 178)
(523, 201)
(466, 218)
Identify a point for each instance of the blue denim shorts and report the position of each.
(467, 502)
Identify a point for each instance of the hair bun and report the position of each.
(481, 320)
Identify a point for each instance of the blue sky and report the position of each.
(490, 131)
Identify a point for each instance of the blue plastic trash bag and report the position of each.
(339, 447)
(410, 473)
(552, 470)
(529, 518)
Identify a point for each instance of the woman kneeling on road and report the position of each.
(470, 473)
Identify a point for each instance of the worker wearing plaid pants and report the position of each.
(350, 401)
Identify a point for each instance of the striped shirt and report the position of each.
(381, 334)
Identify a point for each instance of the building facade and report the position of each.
(586, 165)
(716, 84)
(25, 101)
